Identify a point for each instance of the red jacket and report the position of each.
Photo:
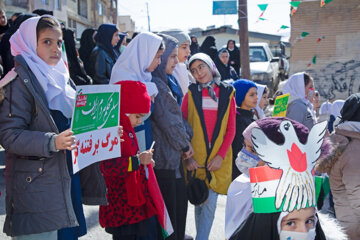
(128, 195)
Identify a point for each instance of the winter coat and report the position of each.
(343, 167)
(37, 180)
(101, 63)
(243, 119)
(298, 110)
(128, 196)
(169, 130)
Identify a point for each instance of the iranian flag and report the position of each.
(162, 213)
(264, 181)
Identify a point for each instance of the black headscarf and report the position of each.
(234, 56)
(351, 108)
(7, 58)
(260, 226)
(208, 47)
(226, 71)
(87, 44)
(194, 46)
(76, 68)
(104, 37)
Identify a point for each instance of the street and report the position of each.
(96, 232)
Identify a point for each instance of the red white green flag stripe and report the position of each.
(264, 182)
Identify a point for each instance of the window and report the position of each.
(82, 8)
(45, 2)
(17, 3)
(100, 9)
(257, 54)
(57, 4)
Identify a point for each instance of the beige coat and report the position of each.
(343, 168)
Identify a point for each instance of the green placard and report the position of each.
(95, 111)
(280, 106)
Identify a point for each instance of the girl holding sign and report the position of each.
(130, 209)
(41, 197)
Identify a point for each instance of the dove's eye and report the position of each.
(287, 126)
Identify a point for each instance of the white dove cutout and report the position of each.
(296, 160)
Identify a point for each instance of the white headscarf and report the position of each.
(54, 80)
(260, 92)
(296, 87)
(325, 108)
(336, 107)
(135, 59)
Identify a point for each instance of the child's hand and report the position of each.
(65, 140)
(145, 157)
(121, 133)
(191, 164)
(215, 163)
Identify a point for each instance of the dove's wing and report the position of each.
(267, 150)
(314, 142)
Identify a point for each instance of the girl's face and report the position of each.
(224, 58)
(49, 45)
(156, 61)
(231, 45)
(172, 61)
(250, 100)
(136, 119)
(308, 86)
(184, 51)
(115, 39)
(264, 101)
(302, 220)
(201, 72)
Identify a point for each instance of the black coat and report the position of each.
(243, 119)
(101, 64)
(235, 57)
(226, 72)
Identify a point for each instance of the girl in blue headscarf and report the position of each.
(104, 56)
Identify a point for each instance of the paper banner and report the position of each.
(283, 27)
(294, 6)
(295, 188)
(280, 105)
(314, 59)
(304, 34)
(320, 39)
(262, 8)
(324, 2)
(95, 124)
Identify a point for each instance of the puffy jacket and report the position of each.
(37, 180)
(343, 167)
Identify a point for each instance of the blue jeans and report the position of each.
(204, 216)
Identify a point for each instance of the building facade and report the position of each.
(75, 14)
(333, 43)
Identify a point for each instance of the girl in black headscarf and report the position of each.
(7, 58)
(226, 71)
(76, 67)
(234, 55)
(194, 46)
(208, 47)
(104, 56)
(87, 44)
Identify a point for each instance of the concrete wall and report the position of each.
(337, 70)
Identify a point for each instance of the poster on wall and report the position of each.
(95, 124)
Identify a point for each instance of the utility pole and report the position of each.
(148, 16)
(244, 39)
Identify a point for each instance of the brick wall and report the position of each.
(337, 70)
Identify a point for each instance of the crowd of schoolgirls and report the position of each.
(209, 137)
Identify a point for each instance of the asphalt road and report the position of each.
(96, 232)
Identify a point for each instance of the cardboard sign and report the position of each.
(95, 124)
(280, 106)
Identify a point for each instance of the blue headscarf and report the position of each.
(242, 86)
(104, 36)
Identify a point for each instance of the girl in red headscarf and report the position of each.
(130, 210)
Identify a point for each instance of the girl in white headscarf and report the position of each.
(34, 130)
(301, 87)
(263, 101)
(139, 59)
